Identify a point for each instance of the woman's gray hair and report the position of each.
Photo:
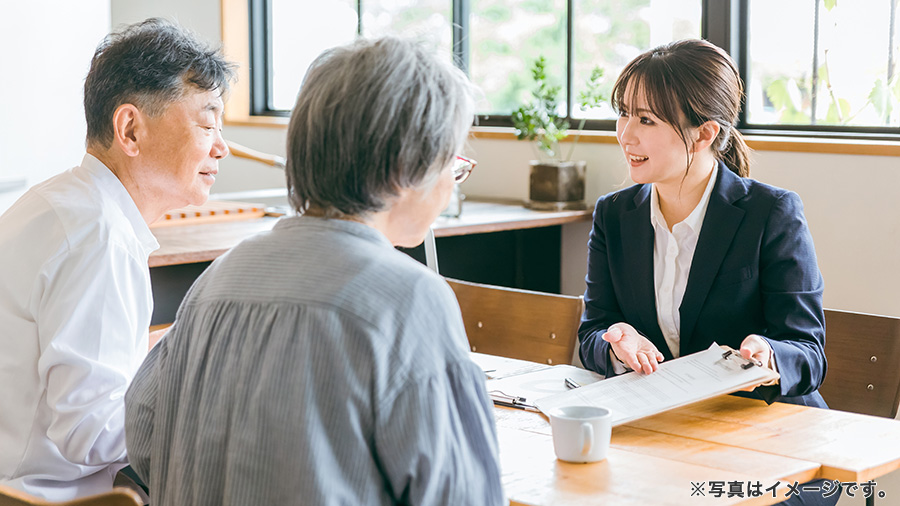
(371, 118)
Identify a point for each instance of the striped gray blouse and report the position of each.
(314, 364)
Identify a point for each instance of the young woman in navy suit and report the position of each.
(697, 252)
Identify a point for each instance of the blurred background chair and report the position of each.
(534, 326)
(863, 353)
(116, 497)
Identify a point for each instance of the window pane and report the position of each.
(846, 77)
(505, 38)
(427, 20)
(301, 30)
(610, 34)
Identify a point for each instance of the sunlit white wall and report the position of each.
(47, 48)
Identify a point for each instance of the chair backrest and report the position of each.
(534, 326)
(116, 497)
(863, 353)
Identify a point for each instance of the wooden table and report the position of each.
(729, 439)
(205, 242)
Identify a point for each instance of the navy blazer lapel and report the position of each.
(719, 226)
(637, 244)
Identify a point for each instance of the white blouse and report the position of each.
(673, 253)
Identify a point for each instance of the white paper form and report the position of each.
(676, 383)
(536, 384)
(496, 367)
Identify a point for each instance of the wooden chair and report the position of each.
(863, 353)
(116, 497)
(534, 326)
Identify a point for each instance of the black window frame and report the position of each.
(723, 22)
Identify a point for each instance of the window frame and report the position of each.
(736, 20)
(723, 22)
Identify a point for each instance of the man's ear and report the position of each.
(706, 135)
(128, 124)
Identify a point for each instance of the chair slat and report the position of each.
(863, 353)
(534, 326)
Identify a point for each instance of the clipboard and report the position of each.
(692, 378)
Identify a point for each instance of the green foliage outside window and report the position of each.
(800, 100)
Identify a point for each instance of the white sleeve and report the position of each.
(93, 318)
(618, 366)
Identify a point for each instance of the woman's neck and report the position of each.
(678, 200)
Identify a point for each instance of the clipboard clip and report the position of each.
(511, 401)
(746, 363)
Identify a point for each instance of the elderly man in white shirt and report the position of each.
(75, 299)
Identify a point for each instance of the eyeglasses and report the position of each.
(462, 167)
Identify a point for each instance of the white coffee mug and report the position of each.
(581, 433)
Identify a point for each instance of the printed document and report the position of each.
(716, 371)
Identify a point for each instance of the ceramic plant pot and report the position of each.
(556, 185)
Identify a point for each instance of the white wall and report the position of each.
(47, 49)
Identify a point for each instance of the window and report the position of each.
(830, 71)
(495, 41)
(297, 38)
(294, 32)
(504, 38)
(611, 34)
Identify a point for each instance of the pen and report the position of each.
(570, 383)
(526, 407)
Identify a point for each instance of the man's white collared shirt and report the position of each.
(75, 307)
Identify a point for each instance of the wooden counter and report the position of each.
(205, 242)
(500, 243)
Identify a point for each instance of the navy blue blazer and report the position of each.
(754, 272)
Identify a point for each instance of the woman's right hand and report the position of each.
(635, 350)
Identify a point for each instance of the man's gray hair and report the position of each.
(150, 64)
(371, 118)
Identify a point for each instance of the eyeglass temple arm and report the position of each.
(431, 251)
(240, 151)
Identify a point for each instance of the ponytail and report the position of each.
(736, 154)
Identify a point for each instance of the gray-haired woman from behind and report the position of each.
(315, 364)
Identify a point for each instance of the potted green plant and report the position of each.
(556, 182)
